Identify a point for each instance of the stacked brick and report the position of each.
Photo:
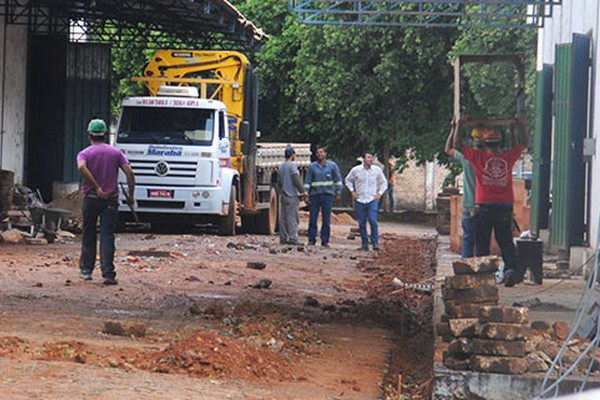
(483, 336)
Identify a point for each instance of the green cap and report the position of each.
(97, 127)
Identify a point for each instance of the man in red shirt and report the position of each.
(494, 194)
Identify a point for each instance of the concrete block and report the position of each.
(511, 315)
(536, 363)
(456, 363)
(499, 365)
(37, 240)
(483, 294)
(498, 347)
(464, 327)
(471, 281)
(442, 329)
(475, 265)
(541, 326)
(561, 329)
(118, 328)
(459, 348)
(549, 348)
(500, 331)
(447, 293)
(12, 236)
(457, 310)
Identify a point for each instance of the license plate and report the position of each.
(160, 193)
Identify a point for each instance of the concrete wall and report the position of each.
(578, 16)
(418, 186)
(13, 72)
(462, 385)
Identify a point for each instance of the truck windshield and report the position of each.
(166, 125)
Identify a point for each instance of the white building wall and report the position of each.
(418, 186)
(13, 73)
(579, 16)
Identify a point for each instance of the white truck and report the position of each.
(192, 145)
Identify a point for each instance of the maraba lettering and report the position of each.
(165, 151)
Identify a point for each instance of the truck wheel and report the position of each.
(266, 220)
(228, 222)
(249, 223)
(120, 224)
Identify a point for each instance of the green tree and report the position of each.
(128, 61)
(353, 88)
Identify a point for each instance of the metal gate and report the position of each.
(87, 95)
(69, 83)
(571, 102)
(542, 148)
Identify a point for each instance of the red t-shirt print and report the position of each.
(493, 173)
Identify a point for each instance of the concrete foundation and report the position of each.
(466, 385)
(581, 259)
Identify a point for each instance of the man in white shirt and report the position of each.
(367, 184)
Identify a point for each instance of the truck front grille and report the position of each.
(176, 169)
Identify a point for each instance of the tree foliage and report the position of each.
(356, 89)
(383, 89)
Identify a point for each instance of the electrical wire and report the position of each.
(551, 386)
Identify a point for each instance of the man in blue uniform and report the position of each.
(323, 183)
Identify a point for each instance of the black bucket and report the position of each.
(7, 179)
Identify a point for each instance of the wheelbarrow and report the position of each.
(46, 221)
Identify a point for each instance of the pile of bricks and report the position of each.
(483, 336)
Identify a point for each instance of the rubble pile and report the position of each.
(546, 343)
(484, 336)
(71, 202)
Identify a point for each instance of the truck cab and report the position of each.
(178, 146)
(192, 144)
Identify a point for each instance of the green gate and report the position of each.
(542, 148)
(570, 124)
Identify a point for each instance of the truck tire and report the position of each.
(266, 220)
(249, 223)
(120, 224)
(227, 223)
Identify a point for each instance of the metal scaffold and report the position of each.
(441, 13)
(211, 23)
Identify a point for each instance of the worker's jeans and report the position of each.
(107, 210)
(288, 218)
(323, 202)
(468, 241)
(499, 218)
(364, 212)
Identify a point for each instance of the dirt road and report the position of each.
(327, 326)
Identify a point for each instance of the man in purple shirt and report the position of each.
(99, 165)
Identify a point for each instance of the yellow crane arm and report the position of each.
(218, 74)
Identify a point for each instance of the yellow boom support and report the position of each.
(218, 74)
